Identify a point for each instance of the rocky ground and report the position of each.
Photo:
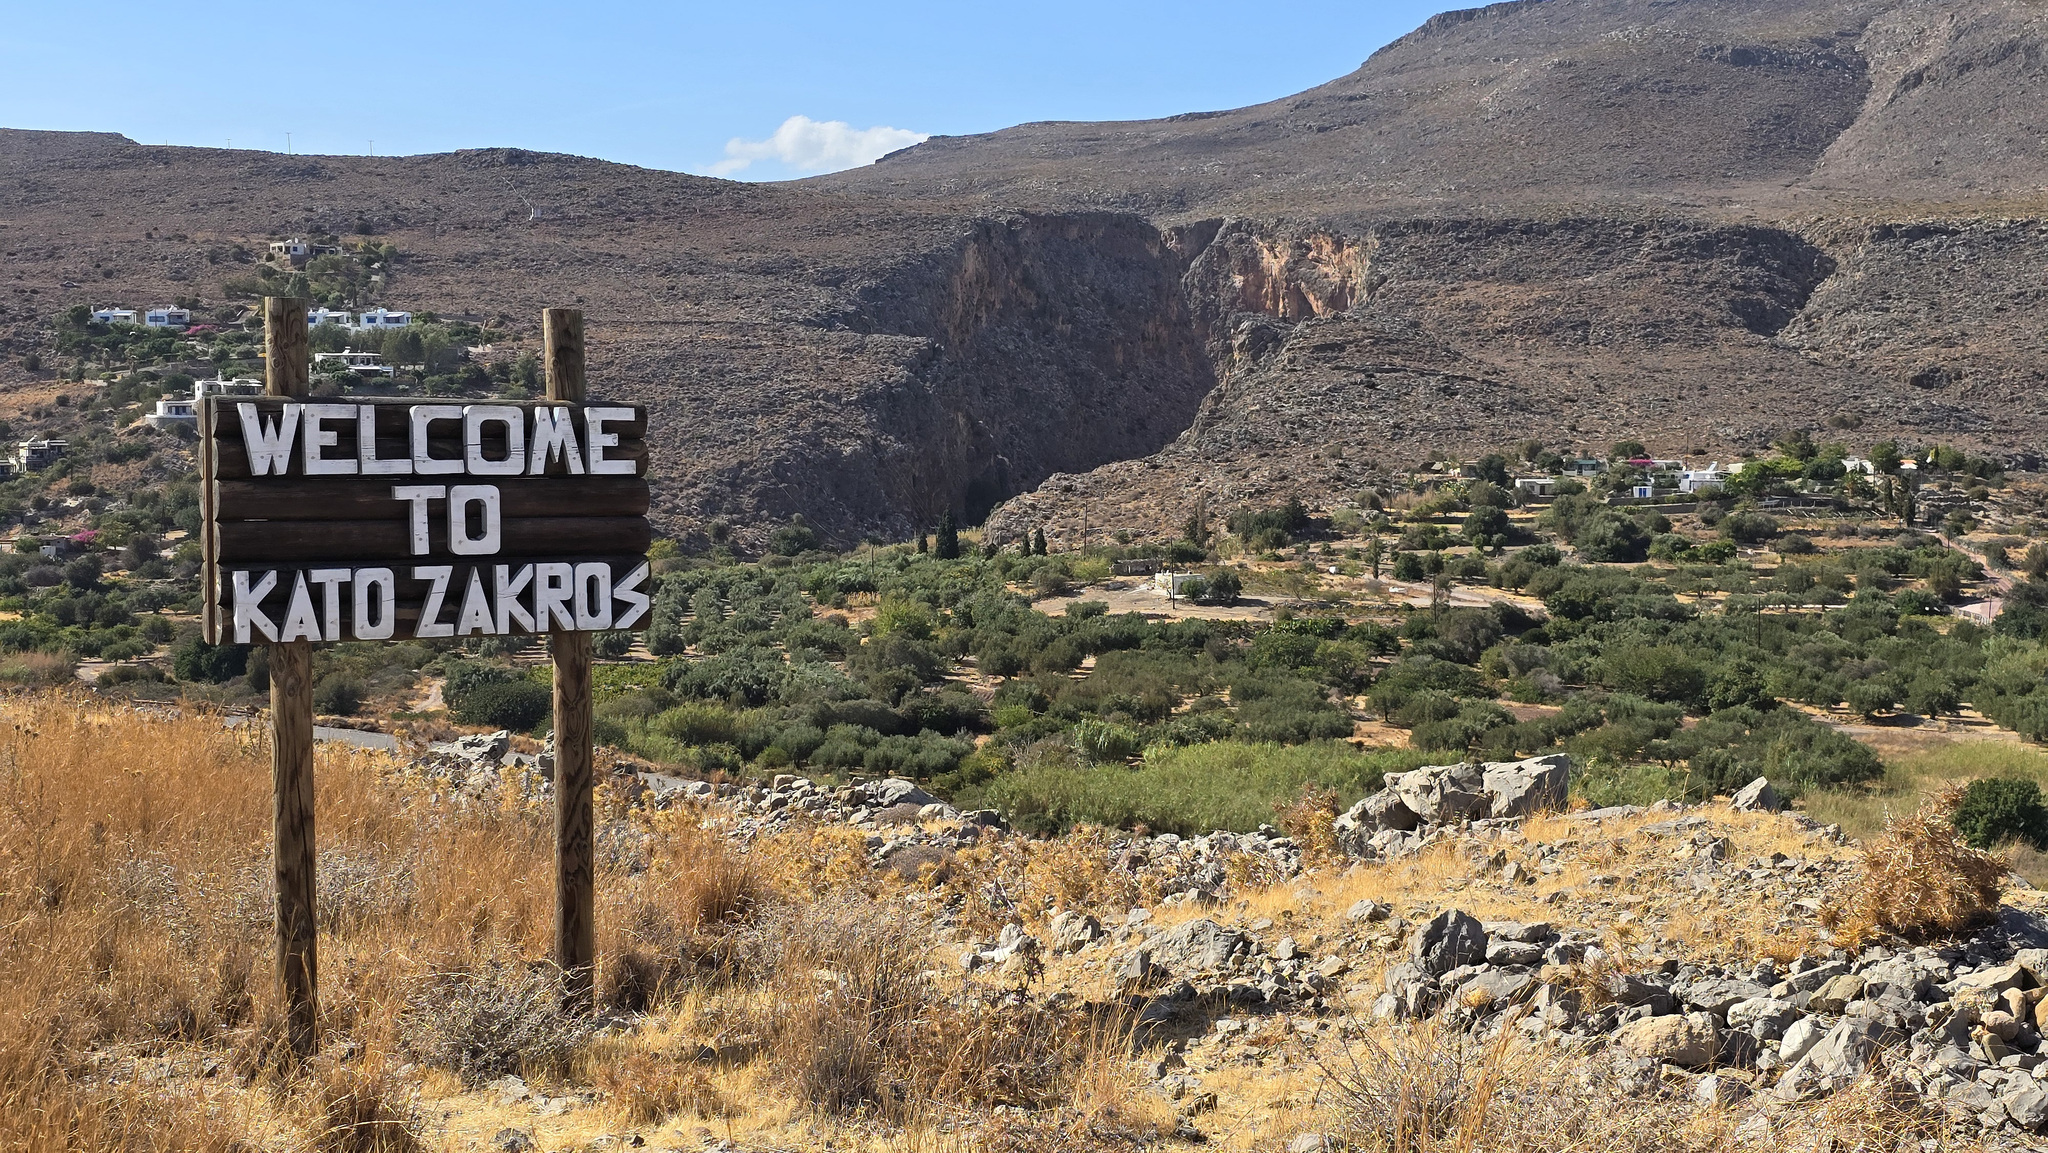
(1687, 958)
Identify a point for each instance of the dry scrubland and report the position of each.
(775, 993)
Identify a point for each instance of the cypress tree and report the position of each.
(1038, 542)
(948, 546)
(924, 542)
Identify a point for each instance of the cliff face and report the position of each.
(1698, 222)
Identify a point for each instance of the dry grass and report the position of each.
(1920, 881)
(1428, 1089)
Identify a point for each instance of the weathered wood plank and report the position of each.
(575, 770)
(322, 499)
(232, 458)
(247, 542)
(287, 372)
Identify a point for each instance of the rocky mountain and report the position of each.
(1697, 222)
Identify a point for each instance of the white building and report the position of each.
(293, 249)
(1173, 583)
(315, 317)
(1694, 479)
(1537, 485)
(1584, 466)
(36, 455)
(379, 318)
(239, 386)
(360, 363)
(168, 318)
(114, 316)
(173, 410)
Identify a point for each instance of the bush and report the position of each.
(337, 694)
(497, 1020)
(1220, 588)
(195, 660)
(1920, 881)
(1996, 810)
(516, 705)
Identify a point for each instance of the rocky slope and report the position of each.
(1699, 223)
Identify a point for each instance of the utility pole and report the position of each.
(287, 144)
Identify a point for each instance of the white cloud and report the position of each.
(811, 146)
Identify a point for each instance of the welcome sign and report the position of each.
(360, 519)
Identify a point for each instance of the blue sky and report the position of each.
(666, 86)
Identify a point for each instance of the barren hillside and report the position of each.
(1697, 222)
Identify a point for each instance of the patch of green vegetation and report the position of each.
(1188, 790)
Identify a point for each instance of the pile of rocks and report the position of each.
(1962, 1024)
(1413, 807)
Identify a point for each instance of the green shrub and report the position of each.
(337, 695)
(1219, 588)
(1996, 810)
(196, 660)
(1189, 790)
(518, 705)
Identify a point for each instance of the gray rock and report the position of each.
(1836, 1059)
(2027, 1106)
(1519, 788)
(1717, 995)
(1719, 1089)
(1382, 810)
(1136, 971)
(1071, 932)
(1312, 1143)
(1367, 909)
(1493, 989)
(1513, 953)
(1452, 938)
(1765, 1018)
(1835, 996)
(1799, 1037)
(897, 791)
(1444, 794)
(1756, 797)
(513, 1141)
(1531, 933)
(1197, 946)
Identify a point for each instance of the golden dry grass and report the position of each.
(1921, 881)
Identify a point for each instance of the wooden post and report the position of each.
(287, 373)
(575, 860)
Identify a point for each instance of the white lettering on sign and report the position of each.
(247, 615)
(474, 419)
(597, 440)
(270, 445)
(418, 495)
(376, 588)
(430, 616)
(462, 498)
(423, 417)
(366, 447)
(534, 440)
(361, 604)
(554, 438)
(317, 438)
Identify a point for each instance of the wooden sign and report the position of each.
(361, 519)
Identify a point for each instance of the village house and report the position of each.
(315, 317)
(1537, 485)
(1584, 466)
(168, 318)
(1173, 584)
(378, 318)
(1692, 480)
(114, 316)
(239, 386)
(176, 410)
(360, 363)
(34, 455)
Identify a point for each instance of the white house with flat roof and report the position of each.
(1537, 485)
(360, 363)
(168, 318)
(239, 386)
(114, 316)
(382, 318)
(315, 317)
